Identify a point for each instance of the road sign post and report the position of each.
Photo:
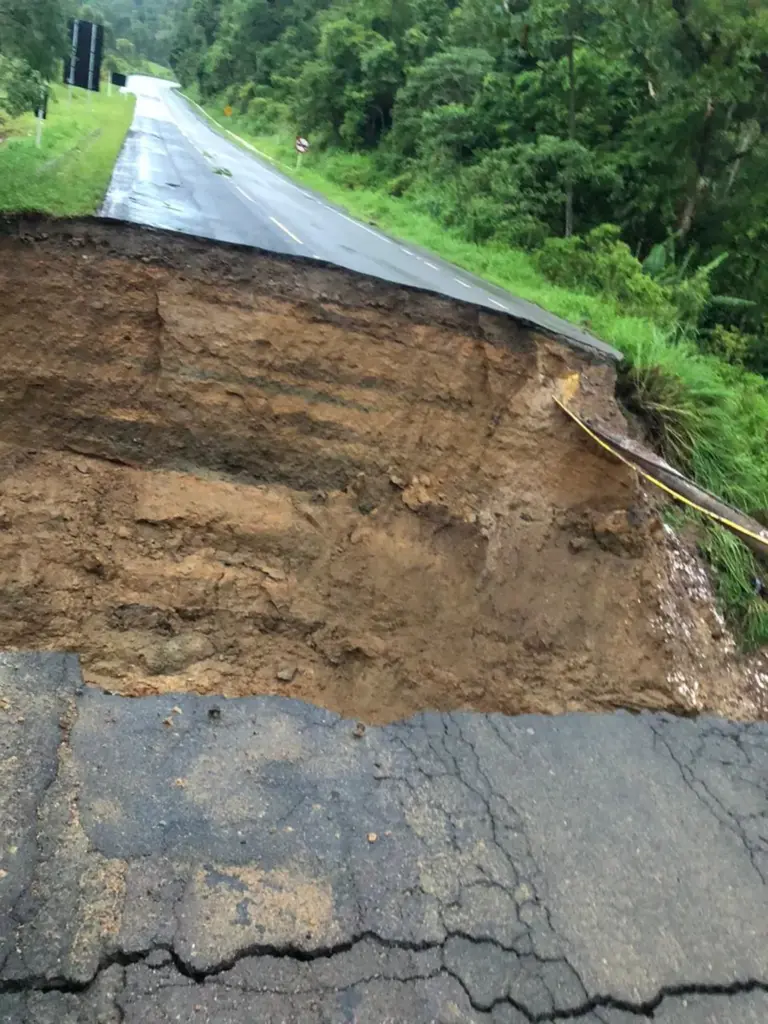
(302, 147)
(82, 70)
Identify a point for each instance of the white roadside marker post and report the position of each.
(42, 113)
(73, 58)
(91, 64)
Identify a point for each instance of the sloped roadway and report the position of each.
(182, 858)
(177, 172)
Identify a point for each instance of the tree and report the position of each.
(33, 32)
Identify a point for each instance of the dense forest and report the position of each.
(33, 40)
(136, 29)
(523, 121)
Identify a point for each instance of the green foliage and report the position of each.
(139, 32)
(729, 344)
(21, 88)
(736, 574)
(33, 32)
(69, 174)
(601, 263)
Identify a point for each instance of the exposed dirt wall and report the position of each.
(238, 473)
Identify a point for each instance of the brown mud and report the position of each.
(230, 472)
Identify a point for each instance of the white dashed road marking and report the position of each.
(500, 305)
(285, 229)
(430, 265)
(462, 282)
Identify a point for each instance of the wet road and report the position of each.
(177, 172)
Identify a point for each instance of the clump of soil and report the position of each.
(235, 473)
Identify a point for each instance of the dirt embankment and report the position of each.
(235, 473)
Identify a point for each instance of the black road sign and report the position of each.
(83, 66)
(118, 79)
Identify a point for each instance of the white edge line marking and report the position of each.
(462, 282)
(499, 304)
(285, 229)
(249, 146)
(208, 117)
(264, 156)
(381, 238)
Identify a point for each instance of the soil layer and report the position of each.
(231, 472)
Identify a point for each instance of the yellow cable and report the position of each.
(658, 483)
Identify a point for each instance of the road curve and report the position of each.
(177, 172)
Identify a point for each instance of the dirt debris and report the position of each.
(234, 473)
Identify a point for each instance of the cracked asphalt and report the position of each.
(182, 858)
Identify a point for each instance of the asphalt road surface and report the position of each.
(184, 858)
(177, 172)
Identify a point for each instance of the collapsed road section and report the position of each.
(231, 472)
(181, 858)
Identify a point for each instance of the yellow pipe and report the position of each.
(736, 527)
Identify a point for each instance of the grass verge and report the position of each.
(69, 175)
(707, 416)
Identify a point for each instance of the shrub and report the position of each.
(265, 115)
(601, 263)
(351, 170)
(729, 344)
(400, 184)
(20, 86)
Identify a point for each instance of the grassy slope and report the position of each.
(69, 174)
(709, 417)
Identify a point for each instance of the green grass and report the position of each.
(68, 176)
(708, 417)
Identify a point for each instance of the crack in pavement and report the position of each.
(217, 974)
(518, 870)
(719, 811)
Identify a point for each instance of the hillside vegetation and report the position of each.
(33, 40)
(602, 159)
